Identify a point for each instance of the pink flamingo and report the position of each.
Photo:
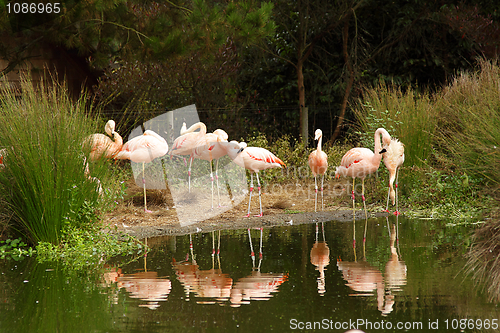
(318, 162)
(186, 142)
(361, 162)
(253, 159)
(144, 148)
(209, 148)
(101, 144)
(394, 157)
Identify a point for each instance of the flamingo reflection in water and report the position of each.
(364, 278)
(146, 286)
(257, 286)
(320, 257)
(212, 286)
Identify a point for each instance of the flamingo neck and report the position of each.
(199, 125)
(377, 157)
(319, 142)
(118, 139)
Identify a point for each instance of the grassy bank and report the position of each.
(451, 138)
(45, 194)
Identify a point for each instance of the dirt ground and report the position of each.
(294, 206)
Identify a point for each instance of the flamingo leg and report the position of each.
(251, 190)
(218, 250)
(364, 204)
(144, 187)
(260, 196)
(217, 179)
(316, 191)
(322, 201)
(397, 177)
(252, 253)
(213, 249)
(353, 218)
(189, 172)
(212, 181)
(260, 248)
(388, 194)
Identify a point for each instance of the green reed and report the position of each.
(407, 116)
(43, 183)
(469, 109)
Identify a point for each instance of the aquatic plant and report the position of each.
(470, 122)
(43, 183)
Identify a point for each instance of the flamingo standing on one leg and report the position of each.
(186, 142)
(318, 162)
(359, 163)
(393, 159)
(144, 148)
(101, 144)
(253, 159)
(209, 148)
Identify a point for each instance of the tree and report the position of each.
(107, 31)
(301, 26)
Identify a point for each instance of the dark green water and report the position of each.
(307, 278)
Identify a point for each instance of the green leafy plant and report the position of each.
(15, 249)
(84, 248)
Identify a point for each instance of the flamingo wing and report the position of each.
(144, 148)
(256, 159)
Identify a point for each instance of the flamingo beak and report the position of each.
(383, 151)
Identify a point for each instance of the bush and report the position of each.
(43, 183)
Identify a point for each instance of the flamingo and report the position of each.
(186, 142)
(318, 162)
(3, 153)
(101, 144)
(209, 148)
(393, 159)
(144, 148)
(253, 159)
(361, 162)
(320, 257)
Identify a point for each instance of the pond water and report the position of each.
(300, 278)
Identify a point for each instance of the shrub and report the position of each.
(43, 183)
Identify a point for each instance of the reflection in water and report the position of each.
(216, 287)
(212, 284)
(146, 286)
(365, 278)
(482, 259)
(320, 257)
(256, 286)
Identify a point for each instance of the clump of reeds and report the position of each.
(43, 183)
(469, 110)
(407, 115)
(483, 262)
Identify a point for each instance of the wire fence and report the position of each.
(242, 123)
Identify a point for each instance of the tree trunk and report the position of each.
(304, 117)
(350, 82)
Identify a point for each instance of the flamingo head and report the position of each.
(110, 127)
(318, 134)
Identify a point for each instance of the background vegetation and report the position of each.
(269, 74)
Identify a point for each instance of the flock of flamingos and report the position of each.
(356, 163)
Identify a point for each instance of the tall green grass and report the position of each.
(43, 183)
(469, 116)
(407, 115)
